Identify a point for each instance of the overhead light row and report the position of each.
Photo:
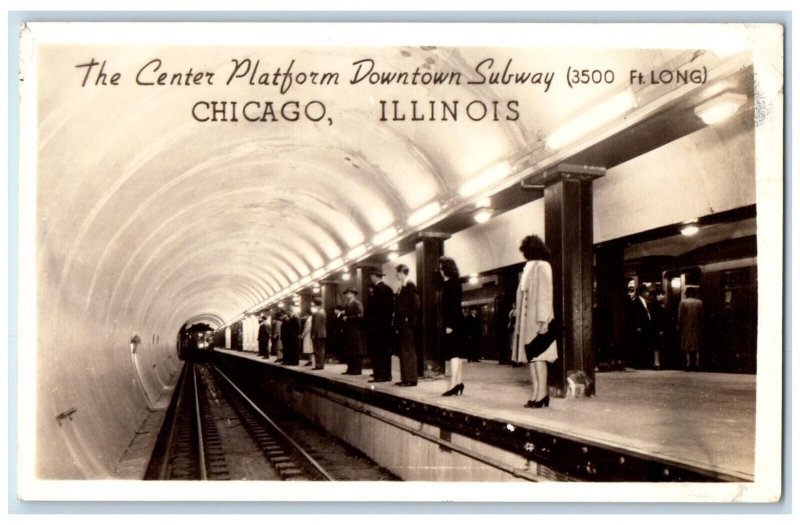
(712, 111)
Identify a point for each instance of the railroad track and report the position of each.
(191, 448)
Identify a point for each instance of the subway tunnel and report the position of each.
(159, 207)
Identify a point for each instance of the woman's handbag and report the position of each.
(541, 342)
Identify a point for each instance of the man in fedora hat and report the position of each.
(355, 339)
(380, 309)
(263, 337)
(290, 336)
(405, 321)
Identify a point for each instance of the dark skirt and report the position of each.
(454, 345)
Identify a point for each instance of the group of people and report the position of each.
(649, 327)
(389, 321)
(289, 336)
(387, 325)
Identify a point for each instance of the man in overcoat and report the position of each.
(641, 327)
(291, 330)
(405, 320)
(380, 309)
(355, 338)
(263, 338)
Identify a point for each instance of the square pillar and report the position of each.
(329, 291)
(305, 302)
(362, 283)
(568, 234)
(429, 247)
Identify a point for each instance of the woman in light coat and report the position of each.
(308, 347)
(534, 316)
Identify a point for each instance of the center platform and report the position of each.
(641, 425)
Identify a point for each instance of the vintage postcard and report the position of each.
(478, 262)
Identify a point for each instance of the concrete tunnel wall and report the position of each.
(149, 227)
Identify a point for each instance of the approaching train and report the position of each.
(195, 341)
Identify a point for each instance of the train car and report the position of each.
(195, 342)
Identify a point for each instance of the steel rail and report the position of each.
(201, 459)
(165, 463)
(277, 429)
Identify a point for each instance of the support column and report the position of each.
(429, 247)
(329, 294)
(568, 234)
(305, 302)
(362, 283)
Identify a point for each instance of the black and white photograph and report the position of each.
(525, 262)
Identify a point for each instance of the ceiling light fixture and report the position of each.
(385, 236)
(487, 178)
(483, 215)
(592, 118)
(720, 107)
(334, 264)
(423, 214)
(357, 252)
(690, 229)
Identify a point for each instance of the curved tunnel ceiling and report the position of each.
(164, 219)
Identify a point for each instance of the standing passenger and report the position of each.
(660, 326)
(337, 339)
(472, 329)
(641, 327)
(405, 321)
(305, 338)
(629, 335)
(318, 334)
(291, 339)
(263, 338)
(355, 344)
(690, 317)
(454, 347)
(380, 309)
(277, 336)
(508, 357)
(535, 332)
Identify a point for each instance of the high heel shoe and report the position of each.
(544, 402)
(455, 391)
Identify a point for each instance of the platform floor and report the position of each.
(706, 420)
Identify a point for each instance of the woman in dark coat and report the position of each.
(354, 333)
(290, 335)
(453, 348)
